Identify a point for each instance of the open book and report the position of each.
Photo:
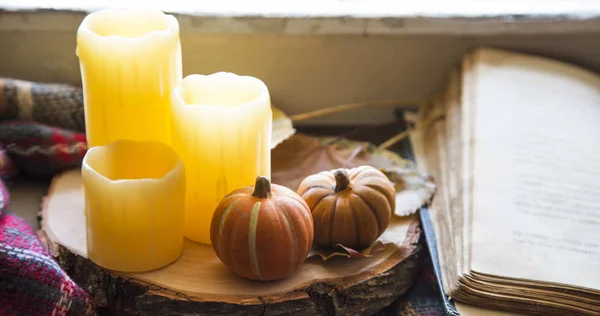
(514, 146)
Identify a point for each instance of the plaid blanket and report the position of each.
(31, 282)
(41, 134)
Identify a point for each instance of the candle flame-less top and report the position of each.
(122, 31)
(221, 91)
(125, 163)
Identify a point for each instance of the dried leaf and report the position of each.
(413, 189)
(282, 127)
(303, 155)
(343, 251)
(393, 237)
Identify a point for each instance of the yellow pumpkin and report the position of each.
(263, 232)
(352, 207)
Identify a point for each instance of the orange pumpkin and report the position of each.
(263, 232)
(352, 207)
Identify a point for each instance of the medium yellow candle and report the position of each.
(134, 205)
(221, 130)
(130, 61)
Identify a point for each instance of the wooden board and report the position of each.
(198, 283)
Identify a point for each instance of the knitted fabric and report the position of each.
(31, 282)
(42, 150)
(57, 105)
(4, 197)
(7, 172)
(8, 169)
(42, 126)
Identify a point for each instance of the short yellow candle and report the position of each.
(130, 61)
(221, 130)
(134, 205)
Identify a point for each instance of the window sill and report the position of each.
(322, 17)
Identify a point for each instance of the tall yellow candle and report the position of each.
(134, 205)
(221, 130)
(130, 61)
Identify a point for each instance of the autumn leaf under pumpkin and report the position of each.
(395, 232)
(303, 155)
(343, 251)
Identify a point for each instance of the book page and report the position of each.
(450, 165)
(441, 203)
(536, 168)
(427, 140)
(466, 156)
(454, 149)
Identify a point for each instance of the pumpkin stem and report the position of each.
(341, 180)
(262, 188)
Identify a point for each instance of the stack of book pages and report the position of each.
(514, 146)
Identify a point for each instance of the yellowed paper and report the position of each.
(536, 188)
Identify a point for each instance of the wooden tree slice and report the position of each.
(199, 284)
